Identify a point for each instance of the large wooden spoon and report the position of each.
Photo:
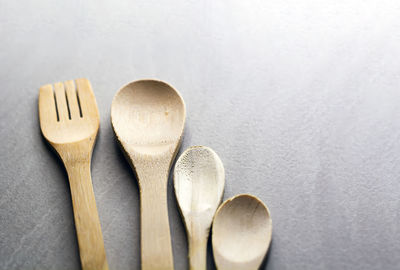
(199, 180)
(241, 233)
(148, 117)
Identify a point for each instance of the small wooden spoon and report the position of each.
(241, 233)
(148, 117)
(199, 180)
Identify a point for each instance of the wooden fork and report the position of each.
(69, 121)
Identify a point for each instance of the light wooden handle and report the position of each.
(198, 253)
(155, 236)
(87, 223)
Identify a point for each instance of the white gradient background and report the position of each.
(300, 99)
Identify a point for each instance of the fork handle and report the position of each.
(87, 223)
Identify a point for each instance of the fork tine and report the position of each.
(87, 99)
(72, 100)
(61, 101)
(47, 106)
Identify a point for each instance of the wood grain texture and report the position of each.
(241, 233)
(148, 118)
(73, 137)
(199, 180)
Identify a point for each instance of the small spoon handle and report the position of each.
(198, 252)
(155, 236)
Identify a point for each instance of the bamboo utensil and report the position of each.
(199, 180)
(241, 233)
(148, 118)
(69, 121)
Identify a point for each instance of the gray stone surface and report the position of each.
(299, 98)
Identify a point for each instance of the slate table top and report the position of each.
(300, 99)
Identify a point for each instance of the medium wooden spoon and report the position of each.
(241, 233)
(148, 117)
(199, 180)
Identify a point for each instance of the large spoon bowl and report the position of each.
(148, 118)
(241, 233)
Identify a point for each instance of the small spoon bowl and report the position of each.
(241, 233)
(199, 180)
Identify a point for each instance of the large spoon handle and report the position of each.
(155, 237)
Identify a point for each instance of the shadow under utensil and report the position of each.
(264, 264)
(124, 165)
(210, 256)
(56, 161)
(123, 161)
(179, 239)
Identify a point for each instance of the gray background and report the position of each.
(300, 99)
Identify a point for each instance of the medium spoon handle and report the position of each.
(155, 236)
(198, 252)
(87, 223)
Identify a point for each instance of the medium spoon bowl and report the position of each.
(199, 180)
(241, 233)
(148, 118)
